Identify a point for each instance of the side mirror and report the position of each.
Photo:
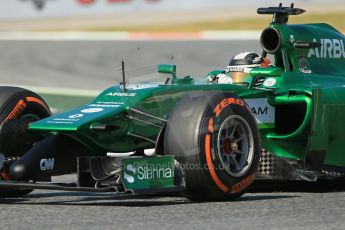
(167, 69)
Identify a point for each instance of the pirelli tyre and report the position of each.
(215, 138)
(18, 108)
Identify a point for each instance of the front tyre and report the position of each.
(215, 138)
(18, 108)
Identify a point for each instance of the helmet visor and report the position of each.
(240, 77)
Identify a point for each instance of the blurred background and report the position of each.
(153, 15)
(75, 47)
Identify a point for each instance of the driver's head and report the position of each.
(241, 65)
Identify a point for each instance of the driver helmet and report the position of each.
(241, 65)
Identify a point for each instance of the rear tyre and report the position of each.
(215, 138)
(18, 108)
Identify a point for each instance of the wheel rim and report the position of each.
(235, 146)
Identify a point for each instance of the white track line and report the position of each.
(63, 36)
(232, 35)
(62, 91)
(128, 36)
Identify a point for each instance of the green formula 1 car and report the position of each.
(209, 141)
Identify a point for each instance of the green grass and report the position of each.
(257, 23)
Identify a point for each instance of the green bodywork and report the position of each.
(298, 105)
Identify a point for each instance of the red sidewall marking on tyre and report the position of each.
(21, 105)
(246, 181)
(36, 100)
(213, 173)
(210, 126)
(225, 102)
(243, 184)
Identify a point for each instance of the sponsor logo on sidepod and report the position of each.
(330, 48)
(263, 112)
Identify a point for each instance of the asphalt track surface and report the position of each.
(96, 64)
(92, 65)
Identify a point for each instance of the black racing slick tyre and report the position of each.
(18, 108)
(214, 137)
